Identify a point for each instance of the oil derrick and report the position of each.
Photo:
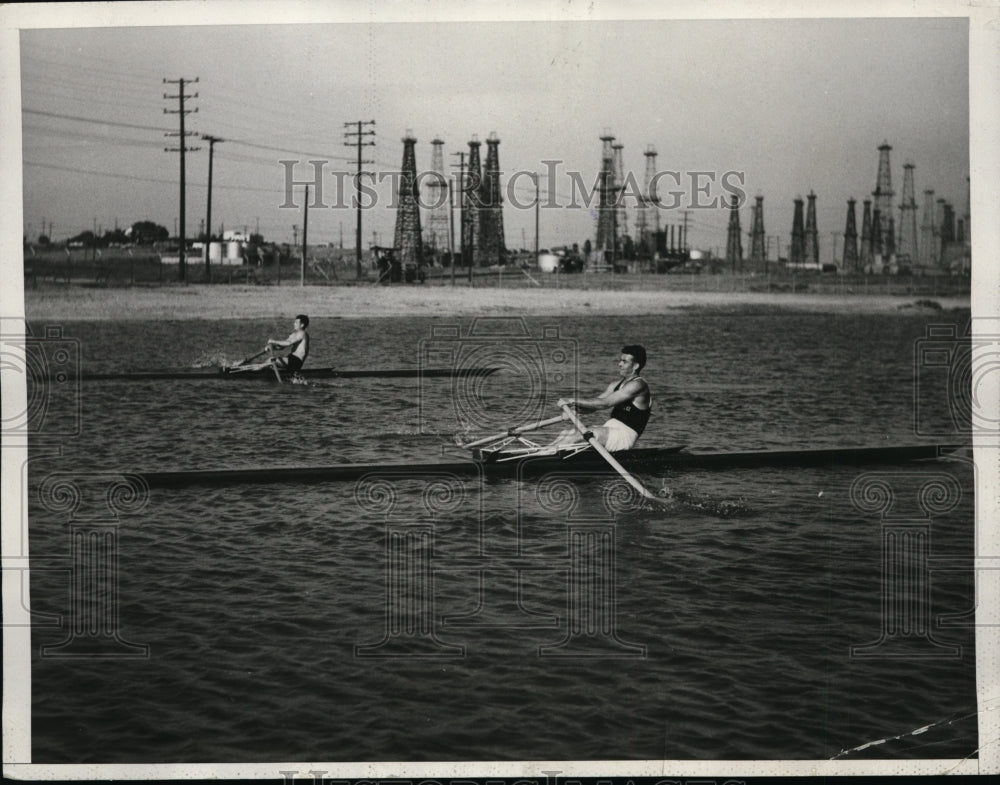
(865, 259)
(797, 249)
(940, 241)
(927, 232)
(437, 224)
(647, 220)
(408, 242)
(877, 249)
(621, 217)
(952, 250)
(491, 246)
(907, 248)
(883, 194)
(812, 233)
(850, 239)
(734, 239)
(758, 249)
(470, 204)
(948, 224)
(606, 240)
(889, 241)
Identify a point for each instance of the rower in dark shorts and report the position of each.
(297, 342)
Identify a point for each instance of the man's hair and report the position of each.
(304, 319)
(638, 352)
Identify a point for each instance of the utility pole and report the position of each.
(537, 204)
(451, 232)
(305, 231)
(359, 142)
(208, 217)
(182, 112)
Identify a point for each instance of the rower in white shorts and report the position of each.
(629, 400)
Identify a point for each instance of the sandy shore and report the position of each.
(245, 302)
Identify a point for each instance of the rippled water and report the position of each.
(412, 616)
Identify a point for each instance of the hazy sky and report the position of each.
(795, 105)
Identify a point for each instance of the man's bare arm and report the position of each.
(291, 340)
(609, 398)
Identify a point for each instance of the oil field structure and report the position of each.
(935, 243)
(481, 227)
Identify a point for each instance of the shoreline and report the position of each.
(198, 301)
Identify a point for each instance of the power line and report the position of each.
(149, 179)
(63, 134)
(94, 120)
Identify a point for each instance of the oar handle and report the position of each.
(603, 452)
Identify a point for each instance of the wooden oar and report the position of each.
(246, 360)
(607, 456)
(514, 431)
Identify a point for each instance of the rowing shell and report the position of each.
(267, 374)
(587, 462)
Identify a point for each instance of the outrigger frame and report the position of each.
(496, 447)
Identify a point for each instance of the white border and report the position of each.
(984, 82)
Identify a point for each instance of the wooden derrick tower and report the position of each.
(758, 249)
(606, 229)
(734, 239)
(883, 193)
(812, 232)
(647, 220)
(408, 242)
(492, 248)
(796, 252)
(907, 250)
(928, 233)
(437, 224)
(851, 239)
(471, 199)
(865, 260)
(621, 217)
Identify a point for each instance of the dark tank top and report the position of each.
(629, 414)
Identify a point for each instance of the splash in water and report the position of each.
(212, 359)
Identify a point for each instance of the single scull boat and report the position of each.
(267, 374)
(585, 461)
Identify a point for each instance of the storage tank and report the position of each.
(215, 252)
(234, 252)
(548, 262)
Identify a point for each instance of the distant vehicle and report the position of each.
(561, 261)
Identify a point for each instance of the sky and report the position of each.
(791, 106)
